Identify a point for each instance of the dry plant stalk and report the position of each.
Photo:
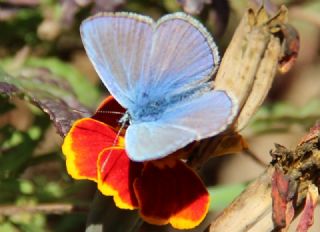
(261, 45)
(251, 211)
(251, 60)
(247, 70)
(259, 208)
(290, 184)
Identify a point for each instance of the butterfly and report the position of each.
(160, 72)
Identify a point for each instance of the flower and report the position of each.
(165, 191)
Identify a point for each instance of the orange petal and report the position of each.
(82, 145)
(109, 112)
(116, 175)
(171, 194)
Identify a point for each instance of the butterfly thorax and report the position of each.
(151, 108)
(150, 111)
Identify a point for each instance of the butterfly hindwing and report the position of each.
(192, 120)
(149, 141)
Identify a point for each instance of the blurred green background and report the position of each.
(40, 47)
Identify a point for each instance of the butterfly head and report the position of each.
(125, 119)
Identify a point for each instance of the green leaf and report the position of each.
(10, 189)
(105, 216)
(15, 158)
(22, 29)
(281, 115)
(71, 222)
(48, 191)
(222, 196)
(7, 227)
(26, 187)
(86, 92)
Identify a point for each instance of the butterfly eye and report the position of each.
(125, 119)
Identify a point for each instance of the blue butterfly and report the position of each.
(160, 73)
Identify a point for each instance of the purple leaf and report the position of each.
(51, 94)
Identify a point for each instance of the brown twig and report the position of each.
(54, 208)
(255, 158)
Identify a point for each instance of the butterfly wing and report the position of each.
(150, 141)
(136, 57)
(196, 119)
(182, 56)
(118, 45)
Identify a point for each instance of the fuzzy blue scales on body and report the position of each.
(153, 108)
(148, 112)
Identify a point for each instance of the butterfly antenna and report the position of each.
(99, 111)
(113, 144)
(109, 112)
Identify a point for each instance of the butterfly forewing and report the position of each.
(183, 54)
(118, 45)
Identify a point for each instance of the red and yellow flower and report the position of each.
(165, 191)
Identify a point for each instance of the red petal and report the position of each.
(82, 145)
(171, 194)
(306, 220)
(109, 112)
(116, 175)
(282, 197)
